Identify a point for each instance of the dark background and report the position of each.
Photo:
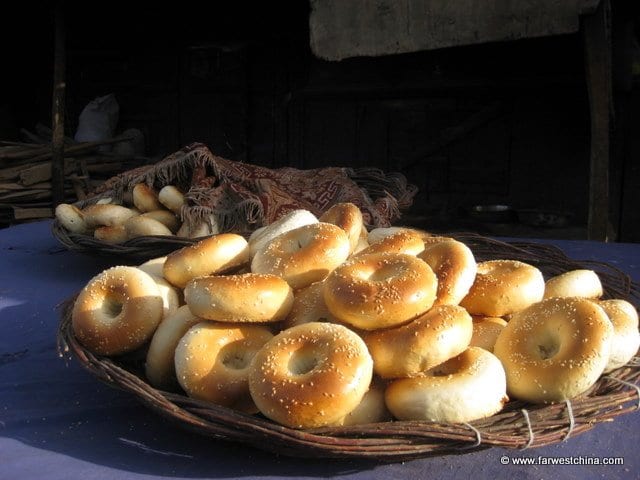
(501, 123)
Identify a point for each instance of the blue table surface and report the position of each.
(58, 421)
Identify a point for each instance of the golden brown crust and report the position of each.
(348, 217)
(377, 234)
(502, 287)
(141, 226)
(303, 255)
(165, 217)
(145, 198)
(208, 256)
(574, 283)
(467, 387)
(117, 311)
(111, 234)
(486, 331)
(380, 290)
(372, 408)
(310, 375)
(409, 350)
(160, 366)
(626, 337)
(402, 241)
(455, 267)
(554, 349)
(106, 215)
(212, 362)
(249, 297)
(308, 306)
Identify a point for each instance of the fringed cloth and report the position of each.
(241, 197)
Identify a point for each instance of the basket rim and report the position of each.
(519, 425)
(135, 249)
(140, 248)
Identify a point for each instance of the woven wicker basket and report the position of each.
(136, 250)
(519, 425)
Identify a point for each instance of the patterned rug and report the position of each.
(241, 197)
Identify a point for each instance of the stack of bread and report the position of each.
(142, 212)
(316, 322)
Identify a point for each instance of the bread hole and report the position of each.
(112, 307)
(546, 344)
(234, 356)
(548, 350)
(302, 361)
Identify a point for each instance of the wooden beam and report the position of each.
(597, 50)
(57, 109)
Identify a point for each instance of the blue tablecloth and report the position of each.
(59, 422)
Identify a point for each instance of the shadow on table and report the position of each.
(67, 411)
(51, 404)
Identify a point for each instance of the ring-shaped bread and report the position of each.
(311, 375)
(160, 367)
(303, 255)
(574, 283)
(348, 217)
(117, 311)
(114, 235)
(455, 267)
(431, 339)
(165, 217)
(109, 215)
(143, 226)
(212, 362)
(380, 290)
(626, 337)
(71, 218)
(212, 255)
(308, 306)
(247, 298)
(402, 241)
(378, 233)
(145, 198)
(261, 237)
(466, 387)
(554, 349)
(502, 287)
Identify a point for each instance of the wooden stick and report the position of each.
(80, 148)
(32, 137)
(11, 143)
(597, 43)
(20, 213)
(24, 152)
(57, 114)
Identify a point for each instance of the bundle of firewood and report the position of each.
(26, 169)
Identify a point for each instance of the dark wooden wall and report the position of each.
(500, 123)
